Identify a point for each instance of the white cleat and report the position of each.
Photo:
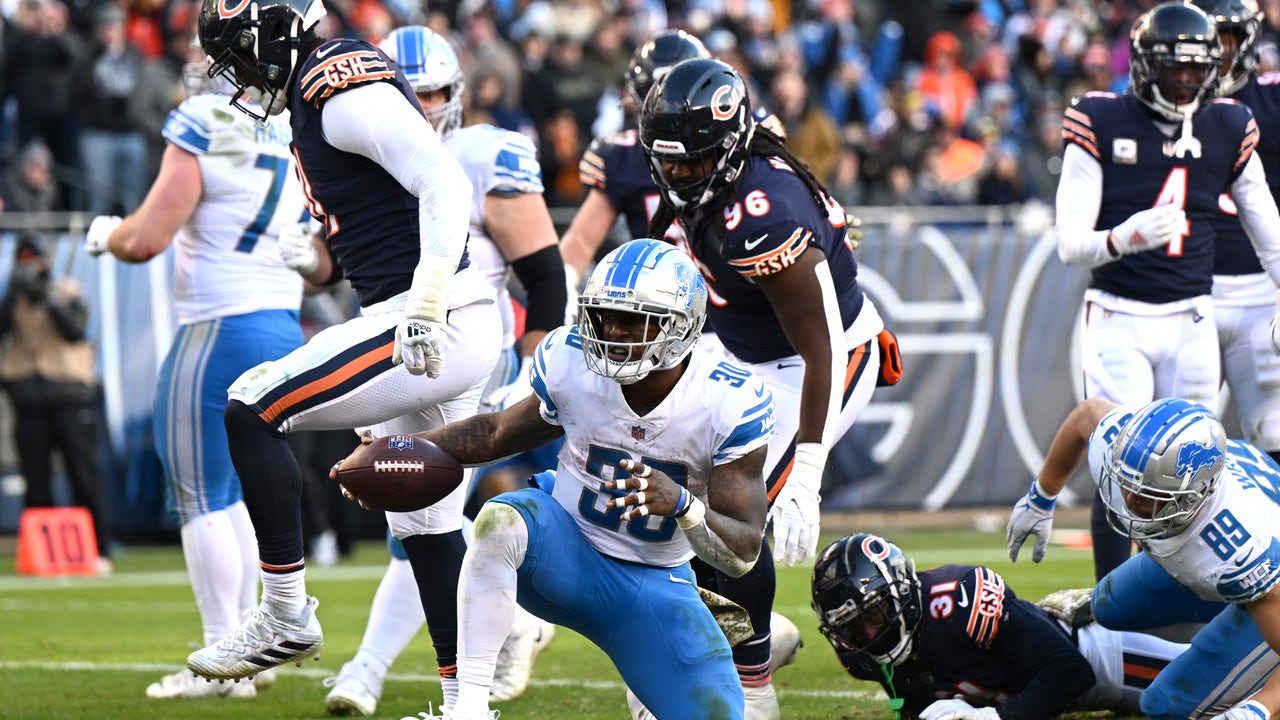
(262, 642)
(356, 690)
(515, 661)
(761, 702)
(184, 685)
(784, 641)
(265, 679)
(455, 715)
(637, 708)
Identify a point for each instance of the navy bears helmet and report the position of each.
(257, 46)
(867, 598)
(654, 58)
(698, 113)
(1242, 21)
(1175, 57)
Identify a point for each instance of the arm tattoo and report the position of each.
(486, 437)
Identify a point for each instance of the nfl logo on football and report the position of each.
(400, 442)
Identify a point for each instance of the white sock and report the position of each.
(248, 541)
(487, 603)
(284, 595)
(395, 616)
(215, 569)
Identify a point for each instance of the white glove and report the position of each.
(795, 510)
(297, 248)
(1252, 710)
(511, 393)
(97, 239)
(419, 345)
(1147, 229)
(1033, 515)
(957, 709)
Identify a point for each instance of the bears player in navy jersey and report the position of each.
(1138, 204)
(394, 204)
(1243, 296)
(775, 251)
(956, 643)
(614, 168)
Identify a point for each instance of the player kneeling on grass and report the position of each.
(662, 461)
(1203, 510)
(956, 643)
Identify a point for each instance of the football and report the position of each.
(399, 473)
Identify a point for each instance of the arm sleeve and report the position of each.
(1058, 673)
(377, 122)
(542, 275)
(1076, 206)
(1259, 216)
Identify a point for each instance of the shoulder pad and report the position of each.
(208, 124)
(340, 65)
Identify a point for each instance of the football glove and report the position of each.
(1252, 710)
(1033, 515)
(419, 345)
(1147, 229)
(853, 231)
(957, 709)
(795, 511)
(511, 393)
(97, 239)
(297, 248)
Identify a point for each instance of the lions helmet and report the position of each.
(653, 59)
(430, 63)
(1242, 21)
(699, 112)
(1175, 57)
(867, 598)
(256, 45)
(1168, 458)
(652, 279)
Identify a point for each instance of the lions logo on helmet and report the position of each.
(1163, 465)
(652, 279)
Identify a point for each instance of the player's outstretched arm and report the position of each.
(170, 202)
(487, 437)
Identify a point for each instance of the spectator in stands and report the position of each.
(811, 133)
(111, 141)
(564, 83)
(40, 59)
(30, 187)
(944, 81)
(46, 368)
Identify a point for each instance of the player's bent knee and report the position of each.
(240, 418)
(1158, 704)
(1106, 612)
(495, 521)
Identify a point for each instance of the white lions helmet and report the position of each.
(649, 278)
(430, 63)
(1171, 452)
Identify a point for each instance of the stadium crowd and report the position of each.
(928, 102)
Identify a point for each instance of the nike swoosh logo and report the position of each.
(751, 244)
(678, 580)
(964, 597)
(325, 51)
(1241, 561)
(785, 365)
(760, 391)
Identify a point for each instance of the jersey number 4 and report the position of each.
(1174, 193)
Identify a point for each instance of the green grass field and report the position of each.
(86, 648)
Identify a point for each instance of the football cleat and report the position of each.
(356, 690)
(262, 642)
(515, 661)
(265, 679)
(184, 684)
(784, 641)
(454, 715)
(761, 702)
(637, 708)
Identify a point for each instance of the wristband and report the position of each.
(693, 515)
(1040, 498)
(683, 504)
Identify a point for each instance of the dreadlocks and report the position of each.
(764, 143)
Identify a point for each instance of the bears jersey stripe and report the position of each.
(343, 71)
(591, 170)
(1248, 144)
(1072, 127)
(988, 607)
(343, 373)
(776, 259)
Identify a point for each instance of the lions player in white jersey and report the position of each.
(662, 460)
(226, 187)
(1204, 511)
(510, 231)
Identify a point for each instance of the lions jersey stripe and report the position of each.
(754, 426)
(538, 381)
(187, 132)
